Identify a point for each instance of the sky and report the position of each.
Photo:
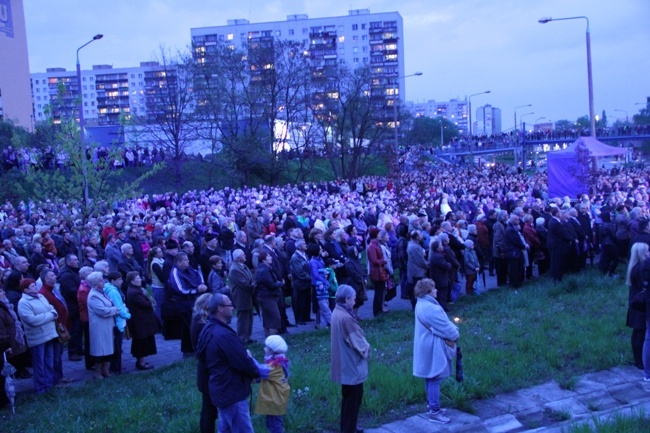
(462, 47)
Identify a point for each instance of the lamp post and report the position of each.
(627, 119)
(590, 83)
(521, 119)
(82, 135)
(519, 106)
(395, 99)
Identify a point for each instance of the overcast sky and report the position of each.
(461, 46)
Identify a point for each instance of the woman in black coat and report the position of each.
(355, 276)
(439, 269)
(269, 290)
(143, 324)
(636, 319)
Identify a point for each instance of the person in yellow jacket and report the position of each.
(274, 391)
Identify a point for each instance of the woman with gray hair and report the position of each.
(101, 320)
(434, 346)
(350, 353)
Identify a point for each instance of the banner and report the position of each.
(6, 22)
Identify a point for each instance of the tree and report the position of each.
(643, 116)
(347, 114)
(426, 131)
(564, 125)
(169, 120)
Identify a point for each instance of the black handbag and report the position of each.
(459, 365)
(639, 300)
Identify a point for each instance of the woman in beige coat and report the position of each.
(101, 320)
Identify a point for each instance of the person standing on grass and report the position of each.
(635, 318)
(209, 411)
(274, 391)
(230, 365)
(101, 320)
(433, 346)
(350, 354)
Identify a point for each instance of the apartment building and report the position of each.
(488, 120)
(15, 96)
(106, 93)
(357, 39)
(454, 110)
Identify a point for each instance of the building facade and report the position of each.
(454, 110)
(107, 93)
(488, 120)
(360, 38)
(15, 94)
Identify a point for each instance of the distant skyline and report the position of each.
(461, 47)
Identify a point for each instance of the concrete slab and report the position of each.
(585, 386)
(517, 401)
(415, 424)
(599, 401)
(503, 424)
(571, 405)
(547, 392)
(629, 393)
(606, 377)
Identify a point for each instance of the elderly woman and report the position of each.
(209, 412)
(433, 346)
(269, 290)
(350, 353)
(12, 342)
(39, 320)
(143, 324)
(101, 320)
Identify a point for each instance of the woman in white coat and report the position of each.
(101, 321)
(39, 322)
(433, 346)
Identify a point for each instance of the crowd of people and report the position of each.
(420, 235)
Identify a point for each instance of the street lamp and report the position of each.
(521, 119)
(539, 118)
(469, 98)
(623, 111)
(395, 99)
(82, 137)
(590, 83)
(519, 106)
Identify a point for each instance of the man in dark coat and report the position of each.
(514, 247)
(231, 369)
(242, 286)
(559, 242)
(301, 282)
(69, 281)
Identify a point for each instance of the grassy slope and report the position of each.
(510, 339)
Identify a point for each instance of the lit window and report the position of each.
(341, 39)
(231, 36)
(277, 33)
(355, 50)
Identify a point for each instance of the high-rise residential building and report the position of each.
(454, 110)
(107, 93)
(357, 39)
(488, 120)
(15, 95)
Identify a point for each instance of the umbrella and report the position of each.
(10, 389)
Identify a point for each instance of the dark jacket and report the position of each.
(267, 282)
(69, 281)
(439, 269)
(143, 322)
(231, 369)
(300, 272)
(242, 286)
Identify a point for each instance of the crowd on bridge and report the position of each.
(263, 248)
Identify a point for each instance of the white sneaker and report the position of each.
(438, 417)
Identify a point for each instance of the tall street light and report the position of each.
(590, 83)
(521, 119)
(82, 135)
(469, 129)
(627, 119)
(519, 106)
(469, 107)
(395, 99)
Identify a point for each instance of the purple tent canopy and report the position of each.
(567, 168)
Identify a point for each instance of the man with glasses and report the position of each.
(231, 367)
